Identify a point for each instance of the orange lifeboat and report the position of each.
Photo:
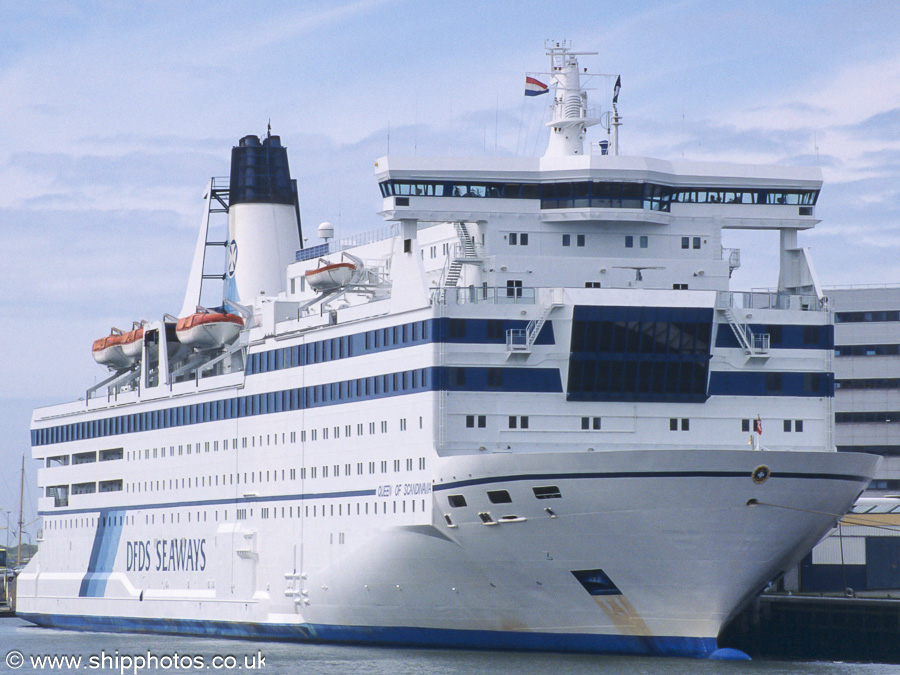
(330, 277)
(107, 351)
(133, 342)
(208, 330)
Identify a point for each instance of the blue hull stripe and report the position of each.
(388, 385)
(538, 477)
(103, 554)
(644, 474)
(397, 636)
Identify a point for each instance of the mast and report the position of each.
(571, 115)
(21, 522)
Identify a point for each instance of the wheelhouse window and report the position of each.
(599, 194)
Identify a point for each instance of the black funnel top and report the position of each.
(260, 173)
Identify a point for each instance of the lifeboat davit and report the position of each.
(208, 330)
(107, 351)
(132, 343)
(329, 277)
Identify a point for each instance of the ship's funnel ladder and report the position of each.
(216, 202)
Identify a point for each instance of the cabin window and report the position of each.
(514, 288)
(590, 423)
(499, 497)
(547, 492)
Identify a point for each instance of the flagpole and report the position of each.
(617, 121)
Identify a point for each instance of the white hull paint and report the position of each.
(683, 559)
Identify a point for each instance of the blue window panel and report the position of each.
(639, 354)
(312, 252)
(771, 384)
(389, 384)
(541, 380)
(782, 336)
(467, 331)
(484, 331)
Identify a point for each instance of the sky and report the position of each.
(114, 115)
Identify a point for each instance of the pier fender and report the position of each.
(729, 654)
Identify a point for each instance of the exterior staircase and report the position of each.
(523, 339)
(464, 253)
(754, 344)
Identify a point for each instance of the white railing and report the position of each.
(768, 300)
(379, 234)
(759, 342)
(516, 339)
(475, 295)
(733, 256)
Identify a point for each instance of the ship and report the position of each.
(526, 412)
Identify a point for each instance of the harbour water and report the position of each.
(28, 649)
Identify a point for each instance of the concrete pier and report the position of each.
(818, 627)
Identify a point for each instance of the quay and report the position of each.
(818, 626)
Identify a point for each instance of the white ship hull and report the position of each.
(672, 530)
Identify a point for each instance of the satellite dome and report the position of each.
(326, 230)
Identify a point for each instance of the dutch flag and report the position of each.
(534, 87)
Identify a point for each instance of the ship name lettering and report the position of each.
(384, 491)
(137, 556)
(180, 555)
(410, 489)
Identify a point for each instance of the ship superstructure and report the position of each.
(526, 413)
